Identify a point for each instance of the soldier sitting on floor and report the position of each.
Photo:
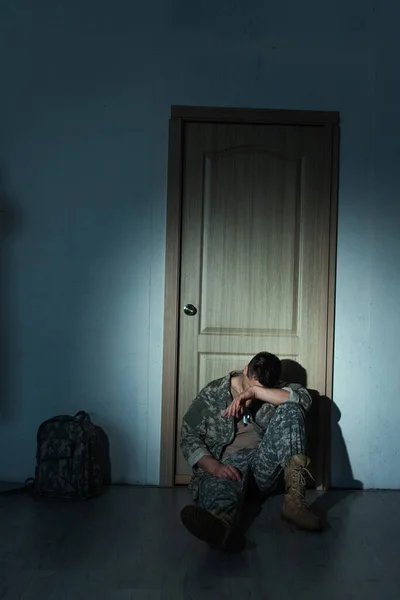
(246, 424)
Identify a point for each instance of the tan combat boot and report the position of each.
(295, 508)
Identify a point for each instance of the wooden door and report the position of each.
(255, 252)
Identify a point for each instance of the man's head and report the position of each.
(265, 369)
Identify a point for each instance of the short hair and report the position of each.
(265, 368)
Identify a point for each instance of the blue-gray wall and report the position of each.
(86, 89)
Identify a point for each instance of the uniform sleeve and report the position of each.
(193, 431)
(299, 395)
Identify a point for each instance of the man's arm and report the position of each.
(193, 432)
(193, 446)
(299, 395)
(274, 396)
(292, 393)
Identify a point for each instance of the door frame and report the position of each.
(179, 116)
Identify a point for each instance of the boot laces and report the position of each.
(298, 487)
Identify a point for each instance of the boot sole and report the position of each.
(208, 528)
(299, 527)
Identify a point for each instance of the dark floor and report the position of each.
(129, 544)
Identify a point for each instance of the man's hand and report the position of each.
(240, 403)
(213, 466)
(227, 472)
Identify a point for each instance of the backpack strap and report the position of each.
(27, 487)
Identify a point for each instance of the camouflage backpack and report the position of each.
(67, 458)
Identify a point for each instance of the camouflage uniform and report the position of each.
(205, 431)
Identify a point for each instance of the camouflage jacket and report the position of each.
(206, 432)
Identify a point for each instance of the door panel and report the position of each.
(255, 251)
(236, 215)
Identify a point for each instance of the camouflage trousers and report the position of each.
(284, 438)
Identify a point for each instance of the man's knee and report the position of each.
(217, 493)
(290, 411)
